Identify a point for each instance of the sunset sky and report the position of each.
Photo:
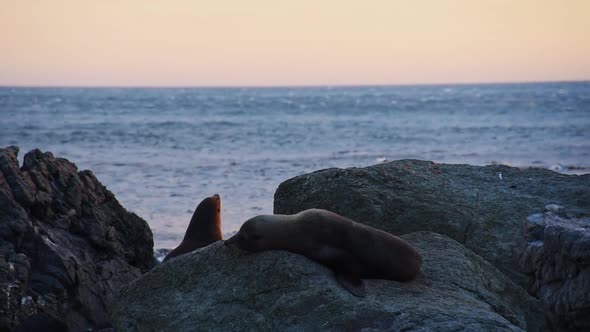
(298, 42)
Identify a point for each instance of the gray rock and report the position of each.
(219, 289)
(481, 207)
(66, 245)
(554, 253)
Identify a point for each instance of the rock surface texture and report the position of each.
(66, 245)
(480, 207)
(555, 255)
(219, 289)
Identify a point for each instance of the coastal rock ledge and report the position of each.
(219, 289)
(555, 255)
(481, 207)
(66, 245)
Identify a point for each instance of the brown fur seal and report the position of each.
(352, 250)
(204, 228)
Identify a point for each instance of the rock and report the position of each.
(554, 253)
(219, 289)
(66, 244)
(481, 207)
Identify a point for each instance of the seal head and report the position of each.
(252, 235)
(203, 229)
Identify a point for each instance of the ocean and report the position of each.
(162, 150)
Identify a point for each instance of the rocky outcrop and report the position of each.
(481, 207)
(554, 253)
(219, 289)
(66, 245)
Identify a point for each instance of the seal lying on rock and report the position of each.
(352, 250)
(204, 228)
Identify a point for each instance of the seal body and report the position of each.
(203, 229)
(350, 249)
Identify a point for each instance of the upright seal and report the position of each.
(204, 228)
(352, 250)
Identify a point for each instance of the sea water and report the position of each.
(161, 151)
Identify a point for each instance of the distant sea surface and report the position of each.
(161, 151)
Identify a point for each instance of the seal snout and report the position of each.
(217, 200)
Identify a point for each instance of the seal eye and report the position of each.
(256, 237)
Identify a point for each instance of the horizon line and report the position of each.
(284, 86)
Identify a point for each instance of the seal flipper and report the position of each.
(351, 283)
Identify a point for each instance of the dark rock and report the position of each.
(66, 244)
(554, 253)
(41, 323)
(481, 207)
(219, 289)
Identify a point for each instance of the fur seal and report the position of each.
(204, 228)
(352, 250)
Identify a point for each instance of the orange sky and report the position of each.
(297, 42)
